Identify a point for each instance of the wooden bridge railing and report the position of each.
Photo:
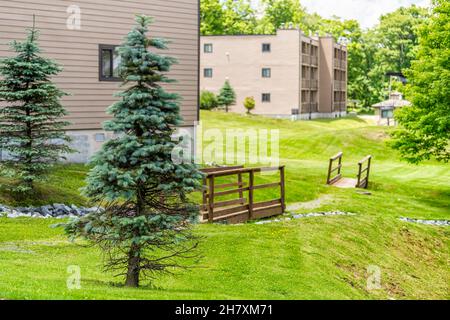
(332, 169)
(241, 208)
(364, 172)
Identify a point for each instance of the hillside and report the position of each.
(309, 258)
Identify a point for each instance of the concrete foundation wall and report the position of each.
(88, 142)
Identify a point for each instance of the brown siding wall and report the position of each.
(105, 22)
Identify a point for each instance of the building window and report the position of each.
(266, 73)
(100, 137)
(109, 62)
(266, 47)
(265, 97)
(388, 113)
(208, 48)
(208, 72)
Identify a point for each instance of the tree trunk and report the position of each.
(133, 270)
(134, 256)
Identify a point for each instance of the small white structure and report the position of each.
(384, 111)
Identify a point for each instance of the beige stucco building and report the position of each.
(81, 37)
(289, 74)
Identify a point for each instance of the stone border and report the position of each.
(439, 223)
(56, 210)
(308, 215)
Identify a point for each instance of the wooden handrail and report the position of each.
(365, 159)
(364, 182)
(338, 168)
(244, 170)
(220, 169)
(241, 208)
(339, 155)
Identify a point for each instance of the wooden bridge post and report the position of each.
(211, 200)
(282, 188)
(250, 193)
(340, 165)
(358, 184)
(330, 167)
(368, 171)
(205, 194)
(240, 185)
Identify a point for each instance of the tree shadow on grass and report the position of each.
(143, 287)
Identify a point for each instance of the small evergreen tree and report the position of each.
(227, 96)
(249, 104)
(31, 129)
(144, 228)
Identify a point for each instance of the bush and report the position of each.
(249, 104)
(208, 100)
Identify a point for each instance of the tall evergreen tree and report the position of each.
(31, 129)
(145, 226)
(227, 96)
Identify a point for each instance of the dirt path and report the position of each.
(309, 204)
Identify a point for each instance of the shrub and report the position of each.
(208, 100)
(249, 104)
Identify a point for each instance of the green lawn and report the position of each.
(311, 258)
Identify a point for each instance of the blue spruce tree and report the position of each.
(31, 125)
(145, 227)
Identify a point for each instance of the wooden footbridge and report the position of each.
(335, 178)
(229, 194)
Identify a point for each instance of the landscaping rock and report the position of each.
(308, 215)
(57, 210)
(439, 223)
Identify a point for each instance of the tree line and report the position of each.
(388, 47)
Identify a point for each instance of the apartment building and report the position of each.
(289, 74)
(81, 36)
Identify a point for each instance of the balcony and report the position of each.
(310, 60)
(309, 107)
(306, 84)
(339, 105)
(310, 84)
(340, 64)
(340, 85)
(306, 59)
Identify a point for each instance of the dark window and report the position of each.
(208, 72)
(295, 111)
(387, 114)
(266, 47)
(266, 73)
(109, 61)
(266, 97)
(208, 48)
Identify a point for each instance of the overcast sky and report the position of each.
(366, 12)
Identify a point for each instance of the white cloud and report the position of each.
(367, 12)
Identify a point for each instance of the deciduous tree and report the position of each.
(425, 131)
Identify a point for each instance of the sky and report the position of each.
(366, 12)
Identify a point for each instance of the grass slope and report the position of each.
(311, 258)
